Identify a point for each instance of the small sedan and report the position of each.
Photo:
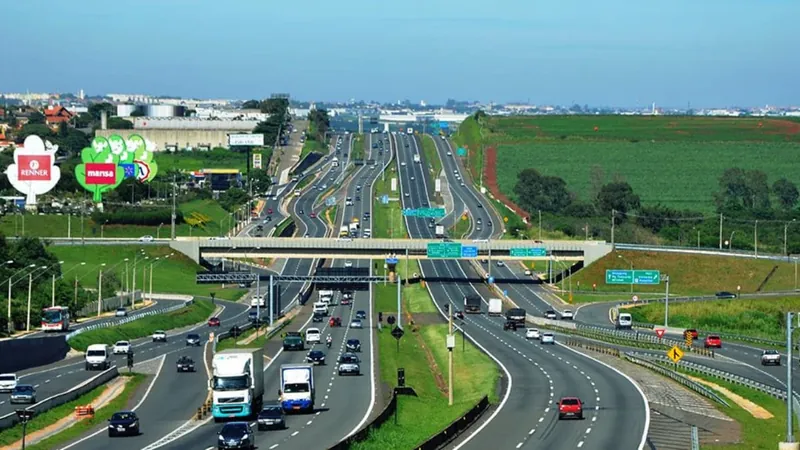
(214, 322)
(713, 341)
(567, 315)
(236, 435)
(121, 348)
(121, 312)
(271, 417)
(124, 423)
(356, 323)
(193, 339)
(318, 318)
(315, 357)
(23, 393)
(313, 215)
(532, 333)
(548, 338)
(160, 336)
(185, 364)
(550, 314)
(349, 364)
(353, 345)
(361, 314)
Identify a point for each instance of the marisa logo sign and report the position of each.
(33, 172)
(110, 160)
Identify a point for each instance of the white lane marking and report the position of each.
(271, 447)
(580, 444)
(295, 433)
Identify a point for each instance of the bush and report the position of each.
(136, 216)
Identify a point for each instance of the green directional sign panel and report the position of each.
(444, 250)
(430, 212)
(633, 277)
(525, 252)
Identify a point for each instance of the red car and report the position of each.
(313, 215)
(713, 341)
(691, 332)
(214, 322)
(269, 210)
(570, 407)
(335, 322)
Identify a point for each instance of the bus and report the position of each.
(55, 318)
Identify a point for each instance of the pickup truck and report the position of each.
(185, 364)
(770, 357)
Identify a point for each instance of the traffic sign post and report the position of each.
(397, 333)
(675, 354)
(526, 252)
(649, 277)
(689, 340)
(469, 252)
(660, 332)
(444, 250)
(431, 213)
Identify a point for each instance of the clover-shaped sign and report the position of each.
(142, 158)
(100, 171)
(34, 171)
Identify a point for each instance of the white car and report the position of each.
(567, 315)
(122, 348)
(121, 312)
(356, 323)
(147, 238)
(449, 154)
(313, 336)
(550, 314)
(8, 381)
(348, 264)
(160, 336)
(531, 333)
(528, 272)
(403, 164)
(548, 338)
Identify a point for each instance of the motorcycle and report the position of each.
(328, 343)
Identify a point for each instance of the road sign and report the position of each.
(461, 151)
(330, 201)
(689, 339)
(523, 252)
(464, 217)
(469, 252)
(491, 280)
(384, 199)
(430, 212)
(444, 250)
(616, 276)
(505, 292)
(635, 298)
(505, 219)
(391, 260)
(675, 354)
(660, 332)
(397, 333)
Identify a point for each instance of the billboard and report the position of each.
(257, 160)
(437, 185)
(245, 139)
(110, 160)
(33, 171)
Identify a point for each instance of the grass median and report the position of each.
(197, 312)
(258, 342)
(387, 220)
(50, 417)
(283, 226)
(431, 155)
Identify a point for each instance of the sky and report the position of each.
(703, 53)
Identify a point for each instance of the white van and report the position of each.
(321, 308)
(97, 357)
(624, 321)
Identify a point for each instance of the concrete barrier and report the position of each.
(31, 352)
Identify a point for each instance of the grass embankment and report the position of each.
(309, 146)
(330, 216)
(283, 225)
(357, 146)
(424, 359)
(216, 222)
(468, 136)
(197, 312)
(461, 227)
(688, 274)
(50, 417)
(431, 155)
(387, 220)
(414, 295)
(306, 181)
(763, 318)
(218, 158)
(176, 274)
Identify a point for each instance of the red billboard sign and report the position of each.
(101, 173)
(34, 167)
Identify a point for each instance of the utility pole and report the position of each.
(613, 223)
(30, 287)
(540, 224)
(271, 299)
(450, 356)
(100, 293)
(666, 302)
(720, 231)
(174, 206)
(399, 308)
(53, 299)
(755, 238)
(151, 282)
(789, 420)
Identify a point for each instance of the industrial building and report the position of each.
(184, 133)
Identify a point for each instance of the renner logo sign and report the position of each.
(34, 167)
(101, 173)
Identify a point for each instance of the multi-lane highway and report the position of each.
(536, 377)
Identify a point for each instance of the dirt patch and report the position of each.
(755, 410)
(426, 319)
(490, 168)
(437, 373)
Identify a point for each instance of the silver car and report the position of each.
(548, 338)
(349, 364)
(23, 393)
(356, 323)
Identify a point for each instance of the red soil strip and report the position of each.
(490, 169)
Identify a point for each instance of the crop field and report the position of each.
(214, 159)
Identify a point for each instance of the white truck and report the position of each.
(326, 296)
(335, 162)
(495, 307)
(353, 227)
(237, 383)
(416, 158)
(344, 231)
(257, 301)
(297, 387)
(98, 356)
(440, 231)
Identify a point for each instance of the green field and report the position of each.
(357, 147)
(387, 220)
(52, 225)
(461, 228)
(470, 137)
(763, 318)
(431, 155)
(196, 160)
(174, 275)
(310, 146)
(414, 296)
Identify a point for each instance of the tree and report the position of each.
(96, 108)
(319, 123)
(656, 217)
(743, 188)
(545, 193)
(275, 106)
(137, 113)
(116, 123)
(618, 196)
(260, 179)
(251, 104)
(233, 198)
(36, 118)
(787, 193)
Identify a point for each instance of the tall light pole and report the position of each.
(628, 261)
(61, 277)
(11, 282)
(786, 238)
(30, 291)
(100, 290)
(155, 262)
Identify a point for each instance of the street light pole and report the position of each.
(666, 302)
(30, 288)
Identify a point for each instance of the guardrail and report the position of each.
(9, 420)
(677, 377)
(705, 251)
(641, 338)
(129, 319)
(248, 326)
(457, 427)
(698, 298)
(362, 434)
(732, 336)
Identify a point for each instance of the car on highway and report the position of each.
(567, 315)
(406, 195)
(499, 263)
(23, 393)
(185, 364)
(532, 333)
(313, 215)
(160, 336)
(317, 318)
(121, 348)
(353, 345)
(348, 264)
(725, 294)
(770, 357)
(293, 343)
(124, 423)
(459, 314)
(356, 323)
(269, 210)
(214, 322)
(335, 321)
(349, 364)
(510, 325)
(713, 341)
(8, 381)
(550, 314)
(271, 417)
(236, 435)
(361, 314)
(121, 312)
(315, 357)
(570, 407)
(403, 164)
(147, 238)
(300, 212)
(313, 336)
(193, 339)
(528, 272)
(548, 338)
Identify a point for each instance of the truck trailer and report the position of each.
(297, 388)
(517, 315)
(237, 383)
(472, 304)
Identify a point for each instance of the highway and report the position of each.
(535, 377)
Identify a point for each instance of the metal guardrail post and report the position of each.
(695, 438)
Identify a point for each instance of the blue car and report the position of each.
(361, 315)
(124, 423)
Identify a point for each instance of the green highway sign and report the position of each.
(633, 277)
(424, 212)
(523, 252)
(444, 250)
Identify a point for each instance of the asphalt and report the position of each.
(538, 376)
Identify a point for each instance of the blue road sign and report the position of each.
(385, 199)
(444, 125)
(391, 260)
(469, 252)
(461, 151)
(505, 292)
(491, 280)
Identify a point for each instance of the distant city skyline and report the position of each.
(618, 53)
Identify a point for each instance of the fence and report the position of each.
(115, 322)
(731, 336)
(677, 377)
(454, 429)
(109, 304)
(362, 434)
(641, 338)
(9, 420)
(31, 352)
(698, 298)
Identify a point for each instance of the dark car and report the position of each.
(361, 315)
(236, 435)
(293, 343)
(510, 325)
(185, 364)
(318, 318)
(316, 357)
(214, 322)
(459, 315)
(193, 339)
(124, 423)
(725, 294)
(271, 417)
(23, 393)
(353, 345)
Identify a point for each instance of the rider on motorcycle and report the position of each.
(328, 340)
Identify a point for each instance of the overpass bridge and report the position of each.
(247, 247)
